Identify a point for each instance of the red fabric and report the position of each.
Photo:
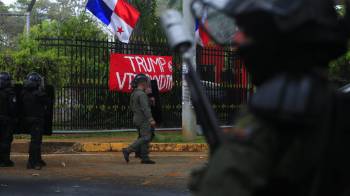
(124, 67)
(204, 36)
(244, 77)
(127, 12)
(216, 57)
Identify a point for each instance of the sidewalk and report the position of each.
(112, 142)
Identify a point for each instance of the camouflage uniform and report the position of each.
(261, 158)
(140, 106)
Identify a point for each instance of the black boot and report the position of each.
(7, 163)
(138, 155)
(147, 161)
(42, 163)
(34, 159)
(35, 166)
(126, 154)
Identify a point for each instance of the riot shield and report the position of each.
(18, 127)
(156, 108)
(50, 92)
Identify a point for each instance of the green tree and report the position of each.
(149, 26)
(10, 27)
(81, 27)
(59, 10)
(29, 56)
(3, 36)
(340, 68)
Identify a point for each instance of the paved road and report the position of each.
(101, 174)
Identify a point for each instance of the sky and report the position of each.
(8, 2)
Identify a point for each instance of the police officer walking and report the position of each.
(143, 120)
(35, 101)
(152, 97)
(8, 102)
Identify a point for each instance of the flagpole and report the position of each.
(189, 122)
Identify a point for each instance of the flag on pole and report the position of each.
(201, 35)
(202, 38)
(118, 15)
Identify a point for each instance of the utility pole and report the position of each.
(28, 14)
(189, 121)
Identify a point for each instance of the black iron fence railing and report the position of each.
(83, 100)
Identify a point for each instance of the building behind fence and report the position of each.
(83, 100)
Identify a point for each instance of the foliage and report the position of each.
(64, 19)
(59, 10)
(149, 26)
(27, 56)
(63, 12)
(10, 27)
(340, 69)
(82, 27)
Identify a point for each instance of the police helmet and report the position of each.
(33, 80)
(138, 79)
(5, 80)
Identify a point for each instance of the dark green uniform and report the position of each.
(142, 117)
(261, 158)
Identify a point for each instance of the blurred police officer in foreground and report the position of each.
(293, 139)
(8, 105)
(143, 120)
(34, 103)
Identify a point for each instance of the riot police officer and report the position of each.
(8, 105)
(286, 142)
(34, 103)
(142, 118)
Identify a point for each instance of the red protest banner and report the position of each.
(124, 67)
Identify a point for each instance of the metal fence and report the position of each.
(84, 102)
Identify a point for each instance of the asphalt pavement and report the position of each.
(20, 187)
(101, 174)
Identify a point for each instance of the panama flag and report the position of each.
(202, 37)
(118, 15)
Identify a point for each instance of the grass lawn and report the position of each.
(161, 137)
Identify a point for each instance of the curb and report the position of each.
(154, 147)
(76, 147)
